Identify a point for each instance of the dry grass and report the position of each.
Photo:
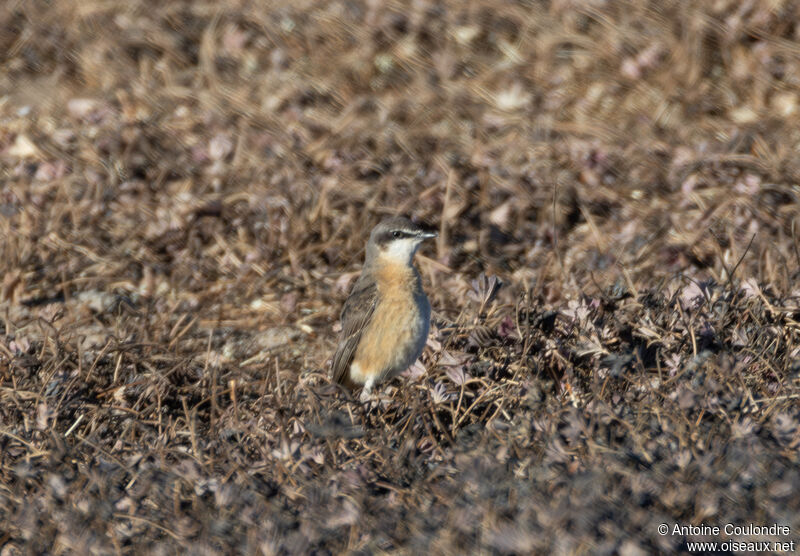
(186, 189)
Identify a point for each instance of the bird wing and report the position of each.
(356, 314)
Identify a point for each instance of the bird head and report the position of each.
(396, 240)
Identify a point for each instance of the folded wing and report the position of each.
(356, 315)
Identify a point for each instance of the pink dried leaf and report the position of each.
(484, 289)
(507, 328)
(415, 372)
(234, 39)
(19, 345)
(692, 295)
(433, 343)
(220, 146)
(344, 281)
(454, 358)
(457, 375)
(750, 288)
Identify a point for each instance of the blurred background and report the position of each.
(185, 193)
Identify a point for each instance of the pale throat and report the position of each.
(400, 251)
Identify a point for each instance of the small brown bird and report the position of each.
(386, 318)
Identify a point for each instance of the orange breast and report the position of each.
(395, 326)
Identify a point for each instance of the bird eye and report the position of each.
(397, 235)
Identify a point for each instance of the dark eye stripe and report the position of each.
(397, 234)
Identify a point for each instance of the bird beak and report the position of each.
(427, 235)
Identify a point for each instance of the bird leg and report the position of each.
(366, 392)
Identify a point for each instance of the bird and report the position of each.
(386, 318)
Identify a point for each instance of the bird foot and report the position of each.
(367, 395)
